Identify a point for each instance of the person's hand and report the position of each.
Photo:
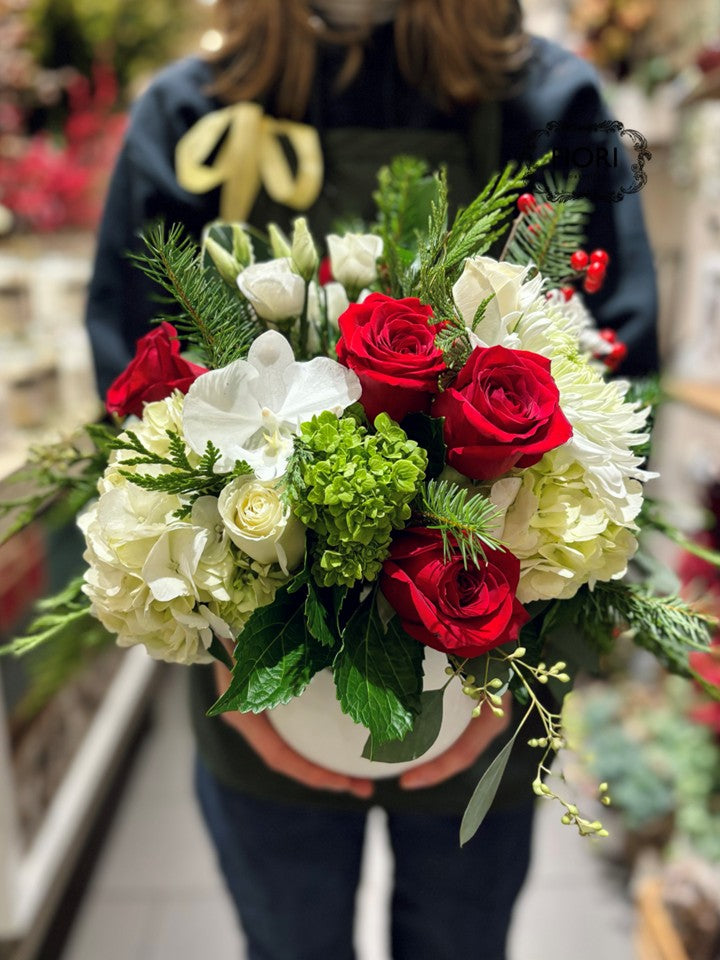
(260, 734)
(463, 753)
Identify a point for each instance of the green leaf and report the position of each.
(217, 650)
(378, 674)
(422, 736)
(275, 658)
(484, 793)
(428, 433)
(316, 615)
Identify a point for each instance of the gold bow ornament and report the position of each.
(250, 156)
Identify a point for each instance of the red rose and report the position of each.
(503, 411)
(156, 370)
(465, 612)
(390, 344)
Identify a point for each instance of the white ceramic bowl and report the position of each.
(314, 725)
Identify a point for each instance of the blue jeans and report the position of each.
(293, 874)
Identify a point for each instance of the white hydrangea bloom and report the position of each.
(559, 529)
(166, 583)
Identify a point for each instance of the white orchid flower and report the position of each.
(252, 409)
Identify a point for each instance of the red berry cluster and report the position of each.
(617, 352)
(527, 203)
(593, 265)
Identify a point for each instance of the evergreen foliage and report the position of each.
(465, 523)
(182, 478)
(212, 317)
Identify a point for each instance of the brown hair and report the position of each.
(463, 51)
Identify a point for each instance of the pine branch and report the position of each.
(213, 317)
(465, 523)
(182, 478)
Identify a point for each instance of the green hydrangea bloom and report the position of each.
(353, 488)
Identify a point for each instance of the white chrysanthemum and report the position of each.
(561, 532)
(606, 428)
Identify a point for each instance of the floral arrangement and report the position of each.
(420, 452)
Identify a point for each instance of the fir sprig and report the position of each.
(183, 478)
(465, 523)
(548, 235)
(213, 317)
(404, 200)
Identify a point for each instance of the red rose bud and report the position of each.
(600, 256)
(390, 344)
(502, 411)
(526, 203)
(325, 272)
(579, 260)
(464, 612)
(156, 370)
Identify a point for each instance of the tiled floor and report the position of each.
(156, 894)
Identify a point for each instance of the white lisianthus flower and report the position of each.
(511, 293)
(561, 533)
(353, 259)
(302, 252)
(273, 289)
(252, 409)
(330, 300)
(260, 524)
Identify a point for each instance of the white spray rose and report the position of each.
(273, 289)
(353, 258)
(511, 292)
(260, 524)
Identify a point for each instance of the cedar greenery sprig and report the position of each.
(183, 479)
(472, 233)
(465, 523)
(213, 317)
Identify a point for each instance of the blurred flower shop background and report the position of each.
(69, 71)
